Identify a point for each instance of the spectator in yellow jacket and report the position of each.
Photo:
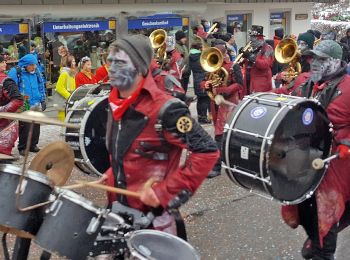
(66, 84)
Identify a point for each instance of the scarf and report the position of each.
(119, 105)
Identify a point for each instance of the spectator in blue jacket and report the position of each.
(32, 87)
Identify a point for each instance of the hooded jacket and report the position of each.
(198, 72)
(66, 83)
(29, 84)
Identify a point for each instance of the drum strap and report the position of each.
(180, 224)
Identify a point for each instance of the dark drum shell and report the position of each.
(37, 190)
(270, 142)
(64, 230)
(88, 142)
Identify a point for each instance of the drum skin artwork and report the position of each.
(266, 135)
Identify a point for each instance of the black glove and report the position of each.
(43, 105)
(251, 58)
(241, 50)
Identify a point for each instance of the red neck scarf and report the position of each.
(119, 105)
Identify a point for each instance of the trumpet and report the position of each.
(287, 52)
(247, 48)
(157, 39)
(211, 61)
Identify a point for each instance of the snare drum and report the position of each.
(153, 244)
(35, 189)
(88, 142)
(87, 90)
(71, 225)
(270, 142)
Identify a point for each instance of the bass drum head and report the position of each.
(89, 142)
(152, 244)
(298, 134)
(302, 136)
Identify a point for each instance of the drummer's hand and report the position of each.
(344, 151)
(103, 179)
(149, 198)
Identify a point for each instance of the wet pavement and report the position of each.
(223, 220)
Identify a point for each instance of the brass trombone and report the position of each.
(247, 48)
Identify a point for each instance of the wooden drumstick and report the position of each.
(112, 189)
(78, 186)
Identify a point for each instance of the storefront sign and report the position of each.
(154, 23)
(235, 18)
(81, 26)
(275, 16)
(14, 28)
(301, 16)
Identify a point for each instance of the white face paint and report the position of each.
(321, 68)
(256, 42)
(302, 46)
(122, 72)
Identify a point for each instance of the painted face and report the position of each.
(122, 72)
(323, 67)
(256, 42)
(302, 46)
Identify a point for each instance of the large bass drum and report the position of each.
(88, 142)
(270, 142)
(87, 90)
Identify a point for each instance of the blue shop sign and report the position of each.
(81, 26)
(14, 28)
(235, 18)
(154, 23)
(276, 16)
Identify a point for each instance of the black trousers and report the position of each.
(184, 81)
(23, 135)
(309, 220)
(203, 106)
(217, 166)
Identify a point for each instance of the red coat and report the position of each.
(260, 73)
(137, 142)
(287, 89)
(102, 74)
(175, 64)
(82, 78)
(334, 190)
(231, 93)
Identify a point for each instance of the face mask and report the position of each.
(321, 68)
(255, 42)
(122, 72)
(302, 46)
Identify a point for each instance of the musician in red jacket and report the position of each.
(327, 211)
(102, 73)
(258, 62)
(231, 91)
(147, 131)
(10, 101)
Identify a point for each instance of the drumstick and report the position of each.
(318, 163)
(112, 189)
(78, 186)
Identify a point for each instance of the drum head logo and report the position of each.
(308, 116)
(258, 112)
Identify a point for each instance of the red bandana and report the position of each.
(119, 105)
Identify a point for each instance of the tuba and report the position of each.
(157, 39)
(287, 52)
(211, 61)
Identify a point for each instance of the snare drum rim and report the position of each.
(33, 175)
(82, 133)
(79, 200)
(160, 233)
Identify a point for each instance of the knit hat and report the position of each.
(180, 35)
(327, 49)
(307, 37)
(139, 49)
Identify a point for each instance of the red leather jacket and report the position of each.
(260, 73)
(145, 143)
(334, 190)
(232, 93)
